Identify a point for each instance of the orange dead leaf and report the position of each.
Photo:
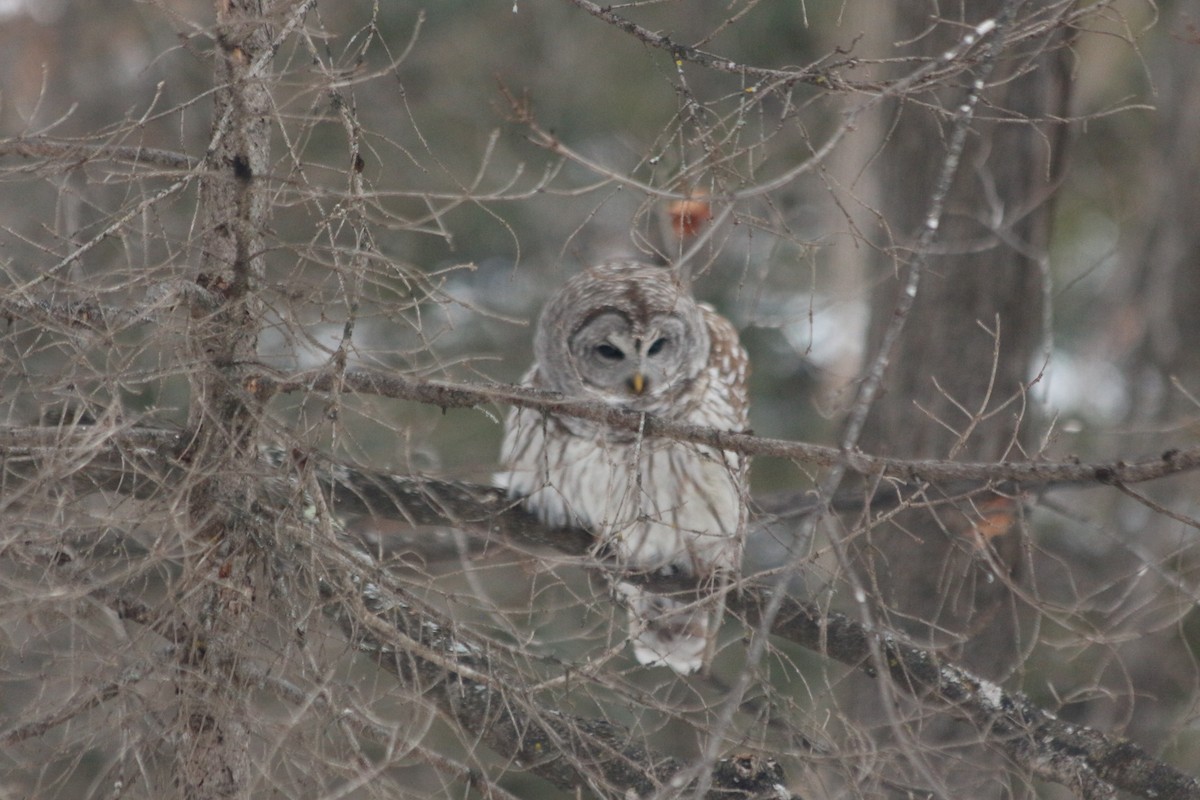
(688, 217)
(997, 516)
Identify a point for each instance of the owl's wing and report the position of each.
(523, 438)
(727, 399)
(524, 460)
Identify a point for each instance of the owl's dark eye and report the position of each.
(657, 346)
(608, 352)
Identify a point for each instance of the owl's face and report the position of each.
(623, 359)
(626, 334)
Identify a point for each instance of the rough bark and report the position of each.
(213, 759)
(956, 384)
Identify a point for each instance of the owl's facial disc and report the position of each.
(623, 361)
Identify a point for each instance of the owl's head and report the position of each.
(624, 333)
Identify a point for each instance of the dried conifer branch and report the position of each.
(446, 666)
(252, 676)
(76, 153)
(88, 315)
(1079, 757)
(77, 705)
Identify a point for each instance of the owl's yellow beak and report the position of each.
(637, 383)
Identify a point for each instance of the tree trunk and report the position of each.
(213, 755)
(956, 385)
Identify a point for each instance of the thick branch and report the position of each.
(75, 153)
(428, 654)
(121, 453)
(1034, 738)
(232, 216)
(1074, 755)
(460, 395)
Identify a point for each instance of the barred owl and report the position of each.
(630, 335)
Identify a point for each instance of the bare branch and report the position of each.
(97, 317)
(79, 152)
(77, 704)
(1074, 755)
(1049, 748)
(448, 395)
(430, 654)
(251, 676)
(17, 443)
(826, 77)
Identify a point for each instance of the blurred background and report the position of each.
(439, 120)
(468, 217)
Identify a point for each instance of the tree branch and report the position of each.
(76, 153)
(448, 395)
(429, 654)
(1077, 756)
(124, 458)
(432, 500)
(828, 76)
(86, 315)
(1074, 755)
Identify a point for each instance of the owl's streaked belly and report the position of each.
(658, 504)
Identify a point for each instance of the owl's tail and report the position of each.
(667, 632)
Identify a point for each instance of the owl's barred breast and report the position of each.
(632, 336)
(656, 503)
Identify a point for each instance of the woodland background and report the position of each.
(257, 257)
